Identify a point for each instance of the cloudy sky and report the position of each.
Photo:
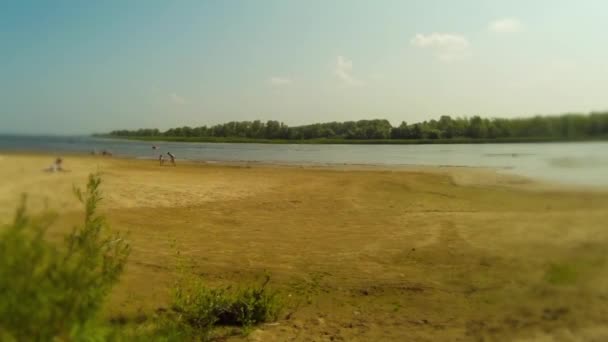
(80, 66)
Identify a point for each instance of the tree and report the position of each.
(416, 131)
(477, 128)
(565, 126)
(401, 132)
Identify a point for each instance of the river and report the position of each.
(584, 163)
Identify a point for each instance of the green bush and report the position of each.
(200, 308)
(196, 307)
(251, 305)
(52, 292)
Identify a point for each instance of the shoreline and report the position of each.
(565, 163)
(461, 174)
(328, 141)
(296, 164)
(271, 164)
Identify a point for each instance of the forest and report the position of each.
(559, 127)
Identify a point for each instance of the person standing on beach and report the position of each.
(161, 158)
(172, 158)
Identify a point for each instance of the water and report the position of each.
(568, 163)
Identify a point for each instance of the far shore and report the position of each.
(238, 140)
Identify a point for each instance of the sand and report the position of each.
(360, 253)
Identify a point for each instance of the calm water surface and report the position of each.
(570, 163)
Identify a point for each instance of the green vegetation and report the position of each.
(50, 292)
(445, 130)
(56, 292)
(581, 269)
(562, 274)
(198, 308)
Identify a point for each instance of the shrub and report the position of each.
(54, 292)
(251, 305)
(201, 308)
(196, 307)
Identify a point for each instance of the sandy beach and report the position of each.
(360, 253)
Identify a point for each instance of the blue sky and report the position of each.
(70, 67)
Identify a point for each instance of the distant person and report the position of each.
(106, 153)
(172, 157)
(56, 166)
(161, 159)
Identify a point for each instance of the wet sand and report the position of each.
(361, 253)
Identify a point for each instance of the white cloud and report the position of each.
(506, 25)
(280, 81)
(447, 47)
(177, 99)
(343, 71)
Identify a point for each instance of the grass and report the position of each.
(562, 274)
(580, 269)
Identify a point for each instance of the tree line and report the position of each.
(567, 126)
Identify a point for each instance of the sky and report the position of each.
(79, 67)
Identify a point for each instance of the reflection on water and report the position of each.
(572, 163)
(508, 154)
